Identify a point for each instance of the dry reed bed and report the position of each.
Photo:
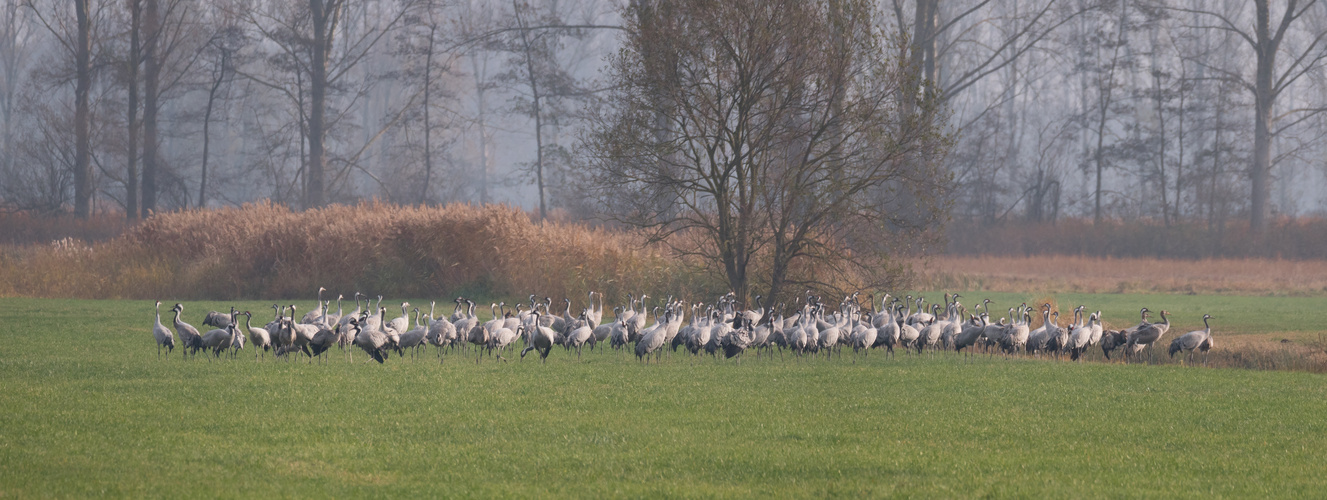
(1056, 274)
(266, 250)
(1235, 352)
(22, 228)
(1303, 238)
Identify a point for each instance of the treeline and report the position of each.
(1298, 239)
(266, 250)
(1060, 108)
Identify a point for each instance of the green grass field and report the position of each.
(89, 410)
(1233, 315)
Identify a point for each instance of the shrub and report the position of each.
(1295, 239)
(266, 250)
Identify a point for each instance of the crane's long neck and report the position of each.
(159, 314)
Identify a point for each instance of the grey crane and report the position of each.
(541, 339)
(162, 335)
(1147, 335)
(259, 337)
(189, 336)
(218, 319)
(371, 340)
(1195, 340)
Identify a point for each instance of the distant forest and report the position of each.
(1203, 116)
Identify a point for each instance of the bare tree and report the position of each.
(547, 91)
(320, 62)
(1107, 87)
(1269, 81)
(170, 48)
(791, 147)
(133, 61)
(223, 45)
(15, 36)
(76, 40)
(935, 37)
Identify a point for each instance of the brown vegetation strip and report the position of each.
(266, 250)
(1056, 274)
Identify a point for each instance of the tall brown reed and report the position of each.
(1286, 238)
(266, 250)
(1079, 274)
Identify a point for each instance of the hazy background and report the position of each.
(1041, 93)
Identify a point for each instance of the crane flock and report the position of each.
(808, 329)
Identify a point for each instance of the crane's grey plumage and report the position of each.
(259, 337)
(1147, 334)
(541, 339)
(716, 327)
(220, 339)
(162, 335)
(579, 336)
(502, 338)
(414, 337)
(1081, 338)
(1195, 340)
(651, 338)
(372, 341)
(738, 339)
(216, 319)
(311, 316)
(190, 339)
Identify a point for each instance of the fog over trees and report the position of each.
(1193, 111)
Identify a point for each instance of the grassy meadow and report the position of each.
(89, 410)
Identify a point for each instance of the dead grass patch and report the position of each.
(266, 250)
(1073, 274)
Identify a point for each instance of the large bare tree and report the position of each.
(1267, 38)
(793, 151)
(75, 37)
(313, 43)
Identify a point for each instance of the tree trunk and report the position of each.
(1177, 212)
(428, 149)
(207, 122)
(538, 115)
(135, 58)
(151, 84)
(83, 68)
(1161, 155)
(1262, 132)
(1107, 90)
(481, 119)
(314, 190)
(732, 249)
